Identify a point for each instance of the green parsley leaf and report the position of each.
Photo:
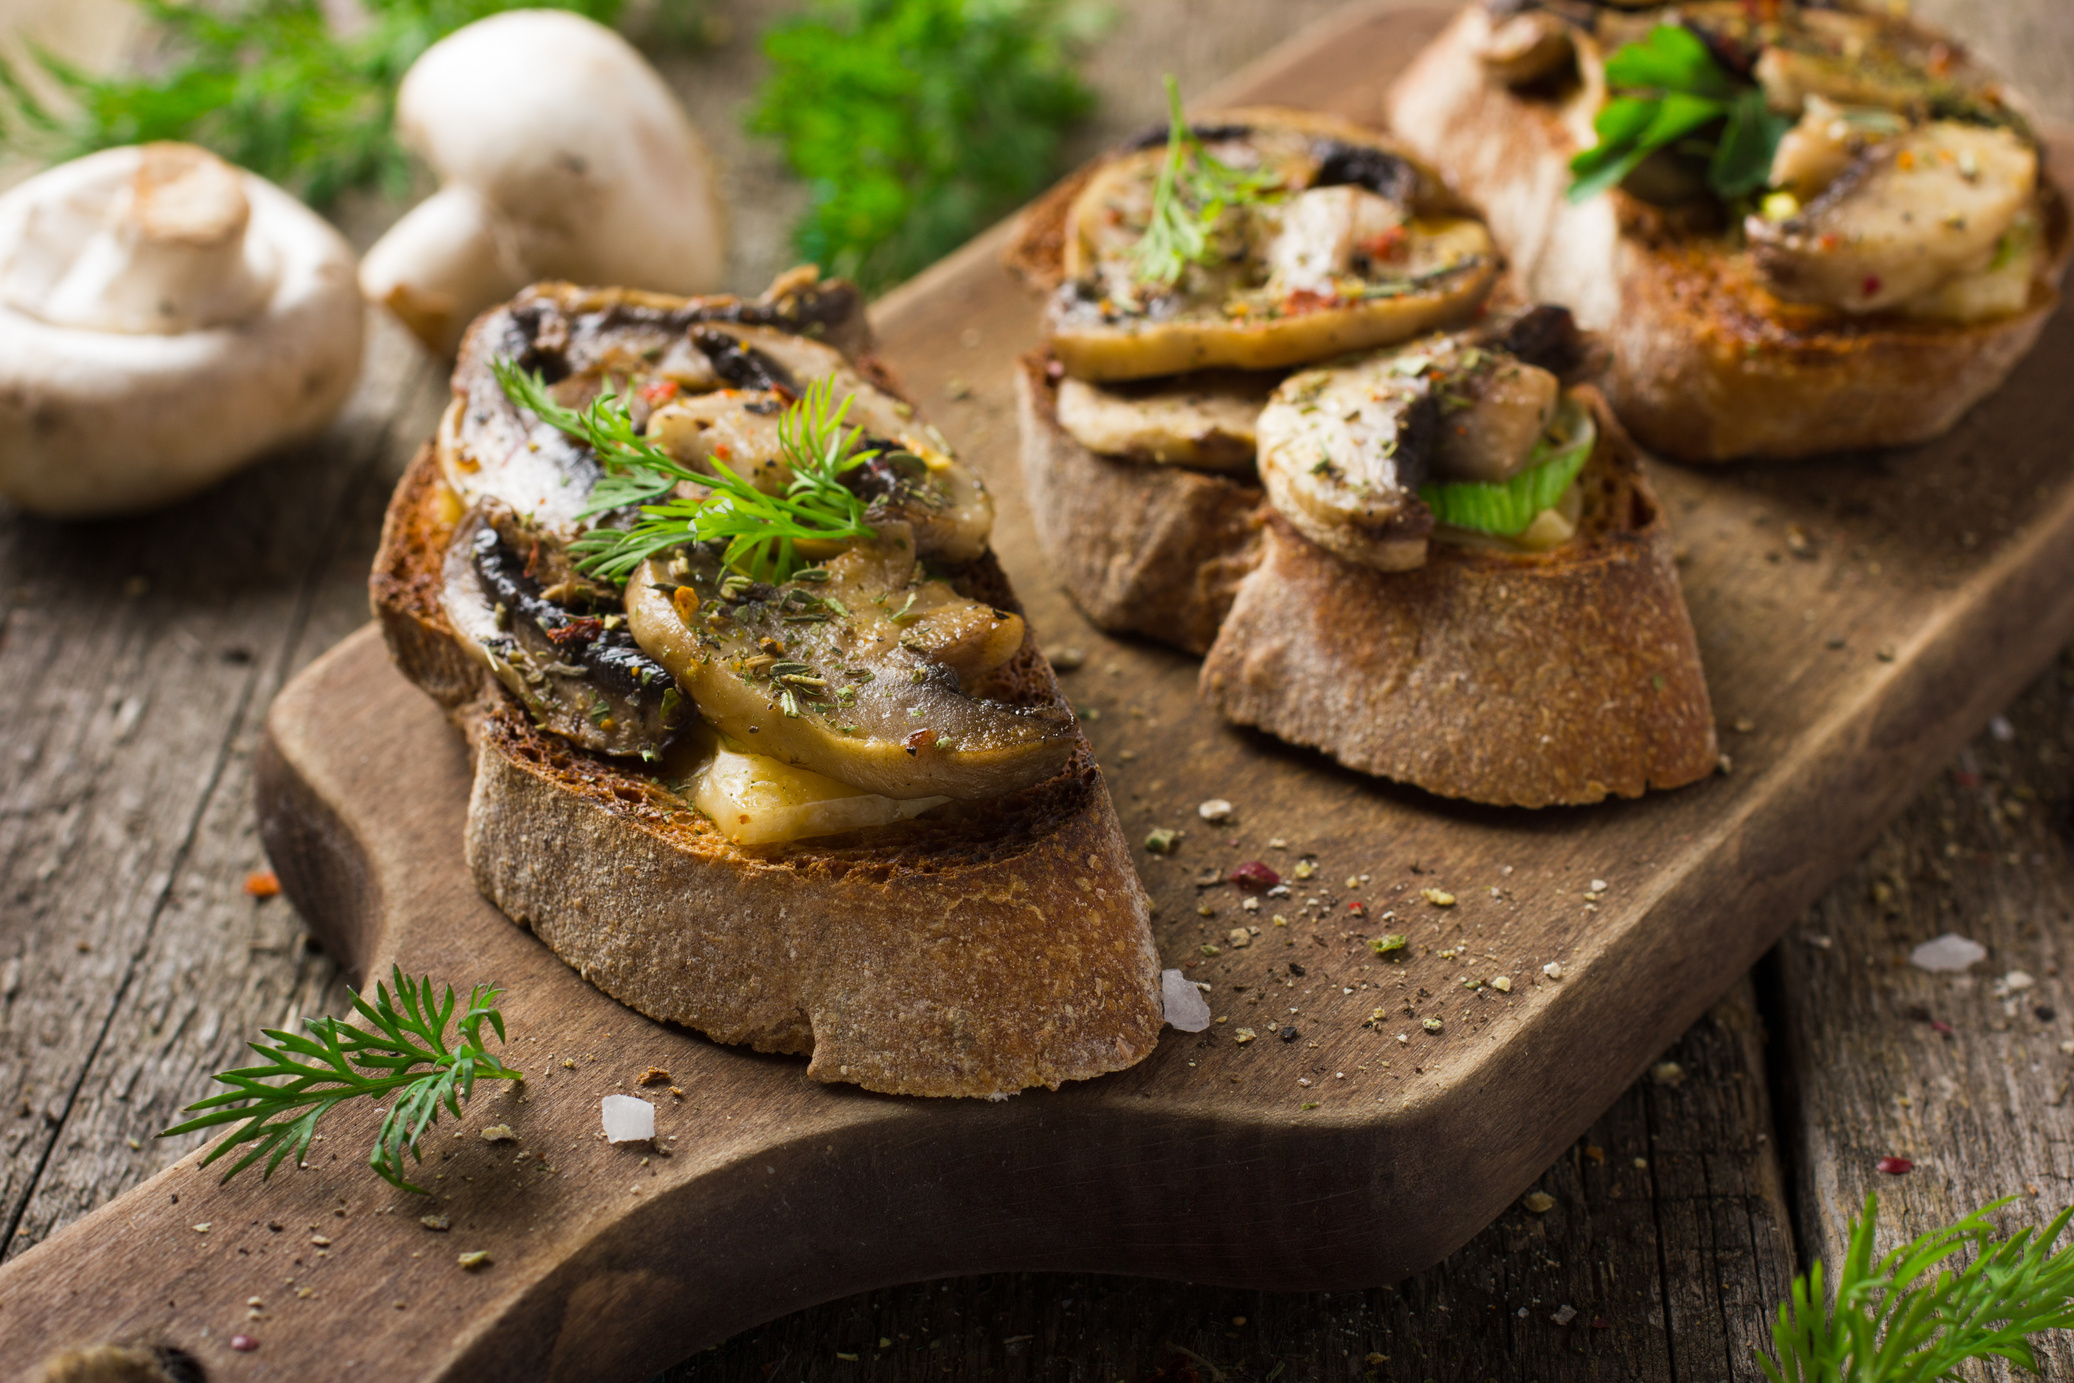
(1506, 507)
(1669, 91)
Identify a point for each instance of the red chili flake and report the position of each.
(262, 883)
(657, 392)
(1390, 244)
(1254, 876)
(1940, 1027)
(1357, 907)
(1964, 779)
(1601, 1323)
(1896, 1166)
(723, 451)
(581, 630)
(1828, 240)
(1304, 300)
(920, 739)
(243, 1344)
(1871, 285)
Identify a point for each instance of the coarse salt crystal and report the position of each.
(1554, 969)
(627, 1120)
(2001, 729)
(1950, 952)
(1564, 1315)
(1598, 885)
(1187, 1010)
(1216, 809)
(2015, 980)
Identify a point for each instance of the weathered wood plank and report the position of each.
(1667, 1220)
(1967, 1076)
(132, 963)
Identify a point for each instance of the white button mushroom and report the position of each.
(164, 319)
(560, 154)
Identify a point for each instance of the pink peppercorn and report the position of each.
(1255, 877)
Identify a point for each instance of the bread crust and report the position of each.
(1708, 366)
(1005, 946)
(1142, 548)
(1515, 679)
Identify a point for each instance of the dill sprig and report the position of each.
(760, 529)
(1910, 1319)
(277, 1105)
(1193, 191)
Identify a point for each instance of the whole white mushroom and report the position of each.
(164, 319)
(560, 154)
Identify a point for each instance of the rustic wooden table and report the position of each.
(133, 962)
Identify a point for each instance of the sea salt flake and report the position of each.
(1950, 952)
(1187, 1010)
(2014, 981)
(627, 1120)
(1564, 1315)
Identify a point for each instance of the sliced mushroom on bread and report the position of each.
(1328, 238)
(1505, 669)
(810, 789)
(1855, 246)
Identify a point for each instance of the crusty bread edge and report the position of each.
(1525, 680)
(1141, 548)
(961, 972)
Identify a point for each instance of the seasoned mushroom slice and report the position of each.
(1342, 451)
(561, 646)
(859, 677)
(585, 340)
(1351, 244)
(915, 480)
(1204, 422)
(1903, 217)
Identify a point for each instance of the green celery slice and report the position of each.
(1505, 508)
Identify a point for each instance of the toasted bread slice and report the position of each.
(977, 949)
(1708, 364)
(1518, 679)
(1142, 548)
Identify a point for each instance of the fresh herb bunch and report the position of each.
(1910, 1319)
(915, 122)
(269, 85)
(1191, 195)
(1673, 94)
(760, 529)
(277, 1105)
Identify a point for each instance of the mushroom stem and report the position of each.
(169, 255)
(442, 262)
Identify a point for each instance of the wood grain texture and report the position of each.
(64, 875)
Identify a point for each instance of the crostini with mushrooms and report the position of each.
(1432, 556)
(1799, 228)
(763, 745)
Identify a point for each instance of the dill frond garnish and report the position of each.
(1908, 1318)
(1193, 191)
(277, 1105)
(761, 530)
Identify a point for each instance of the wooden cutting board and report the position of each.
(1858, 618)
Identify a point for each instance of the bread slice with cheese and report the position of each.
(1885, 284)
(975, 941)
